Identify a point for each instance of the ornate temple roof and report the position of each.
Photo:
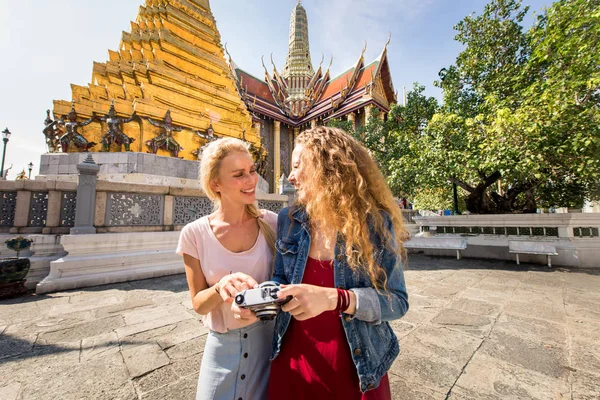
(299, 94)
(356, 87)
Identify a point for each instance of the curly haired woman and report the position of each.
(339, 255)
(224, 253)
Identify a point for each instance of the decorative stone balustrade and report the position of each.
(48, 207)
(136, 229)
(574, 235)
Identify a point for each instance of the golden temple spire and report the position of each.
(298, 69)
(169, 60)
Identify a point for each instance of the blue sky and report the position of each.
(46, 46)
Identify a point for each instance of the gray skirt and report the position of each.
(235, 364)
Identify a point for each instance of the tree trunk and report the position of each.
(478, 201)
(508, 203)
(482, 201)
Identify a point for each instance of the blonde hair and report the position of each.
(347, 190)
(210, 165)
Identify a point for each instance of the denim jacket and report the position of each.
(373, 344)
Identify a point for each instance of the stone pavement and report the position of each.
(475, 330)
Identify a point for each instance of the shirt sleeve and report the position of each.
(188, 243)
(368, 307)
(374, 307)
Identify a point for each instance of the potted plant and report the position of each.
(14, 270)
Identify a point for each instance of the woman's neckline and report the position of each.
(321, 261)
(225, 248)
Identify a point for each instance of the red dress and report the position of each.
(315, 360)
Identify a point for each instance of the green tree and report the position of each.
(341, 124)
(399, 144)
(519, 125)
(563, 101)
(522, 107)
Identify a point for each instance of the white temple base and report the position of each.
(102, 259)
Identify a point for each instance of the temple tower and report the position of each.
(298, 70)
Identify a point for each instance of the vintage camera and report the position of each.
(262, 300)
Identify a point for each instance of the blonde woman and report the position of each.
(224, 253)
(339, 254)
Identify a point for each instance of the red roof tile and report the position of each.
(366, 75)
(338, 83)
(255, 86)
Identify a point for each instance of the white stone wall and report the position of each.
(120, 163)
(101, 259)
(128, 167)
(573, 250)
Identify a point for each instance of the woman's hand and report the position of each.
(230, 285)
(308, 300)
(242, 314)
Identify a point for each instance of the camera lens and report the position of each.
(239, 299)
(267, 313)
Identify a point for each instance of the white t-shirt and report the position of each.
(199, 241)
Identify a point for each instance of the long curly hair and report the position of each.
(210, 165)
(347, 191)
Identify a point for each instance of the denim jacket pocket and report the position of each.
(379, 337)
(384, 332)
(286, 248)
(287, 253)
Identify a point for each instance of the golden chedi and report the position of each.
(161, 92)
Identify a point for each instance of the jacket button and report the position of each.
(347, 318)
(357, 352)
(341, 287)
(370, 386)
(340, 257)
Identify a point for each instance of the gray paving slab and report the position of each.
(81, 331)
(103, 378)
(184, 388)
(144, 358)
(156, 379)
(476, 329)
(488, 377)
